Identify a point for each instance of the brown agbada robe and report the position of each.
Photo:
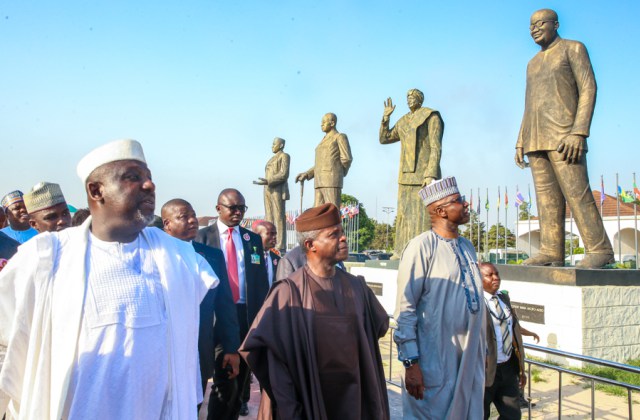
(314, 349)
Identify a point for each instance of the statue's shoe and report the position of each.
(596, 260)
(544, 260)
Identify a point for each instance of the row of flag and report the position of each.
(625, 196)
(349, 210)
(519, 200)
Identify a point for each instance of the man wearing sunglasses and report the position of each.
(441, 334)
(247, 274)
(559, 104)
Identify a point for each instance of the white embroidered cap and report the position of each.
(110, 152)
(42, 196)
(438, 190)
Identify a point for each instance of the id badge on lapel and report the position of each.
(255, 258)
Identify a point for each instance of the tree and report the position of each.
(364, 231)
(471, 232)
(524, 212)
(500, 229)
(380, 237)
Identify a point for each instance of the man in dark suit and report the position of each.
(219, 336)
(269, 235)
(247, 274)
(504, 375)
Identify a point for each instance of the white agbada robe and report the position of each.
(436, 326)
(49, 279)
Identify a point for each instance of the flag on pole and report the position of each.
(506, 198)
(636, 191)
(601, 191)
(530, 201)
(479, 200)
(498, 204)
(519, 199)
(471, 200)
(624, 197)
(486, 203)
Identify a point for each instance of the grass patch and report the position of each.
(536, 375)
(616, 375)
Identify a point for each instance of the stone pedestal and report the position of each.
(591, 312)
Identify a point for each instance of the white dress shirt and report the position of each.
(496, 325)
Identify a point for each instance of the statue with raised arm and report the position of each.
(333, 159)
(420, 135)
(559, 103)
(276, 190)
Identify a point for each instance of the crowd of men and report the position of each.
(115, 317)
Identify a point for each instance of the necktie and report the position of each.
(232, 266)
(507, 342)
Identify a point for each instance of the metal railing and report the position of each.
(630, 388)
(593, 378)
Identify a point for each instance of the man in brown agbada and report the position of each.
(314, 344)
(559, 104)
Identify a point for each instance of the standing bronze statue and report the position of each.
(420, 135)
(559, 104)
(333, 159)
(276, 190)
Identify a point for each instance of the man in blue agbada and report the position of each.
(441, 333)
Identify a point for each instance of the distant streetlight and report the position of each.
(388, 210)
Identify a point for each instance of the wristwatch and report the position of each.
(410, 362)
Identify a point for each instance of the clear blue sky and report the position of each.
(206, 86)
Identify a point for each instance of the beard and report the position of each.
(145, 219)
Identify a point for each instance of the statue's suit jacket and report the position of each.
(492, 346)
(333, 159)
(277, 173)
(218, 315)
(257, 284)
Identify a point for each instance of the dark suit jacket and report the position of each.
(257, 283)
(275, 260)
(492, 346)
(218, 315)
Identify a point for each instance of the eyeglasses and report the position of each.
(539, 24)
(238, 207)
(459, 200)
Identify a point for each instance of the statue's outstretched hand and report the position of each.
(301, 177)
(389, 107)
(572, 148)
(260, 181)
(520, 158)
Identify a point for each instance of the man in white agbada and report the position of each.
(106, 314)
(440, 314)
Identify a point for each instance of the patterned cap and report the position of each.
(438, 190)
(110, 152)
(42, 196)
(11, 198)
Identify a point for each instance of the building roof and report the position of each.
(610, 206)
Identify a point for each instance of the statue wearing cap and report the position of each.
(14, 209)
(48, 210)
(108, 305)
(326, 312)
(438, 298)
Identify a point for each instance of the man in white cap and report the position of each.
(18, 227)
(106, 319)
(441, 333)
(48, 210)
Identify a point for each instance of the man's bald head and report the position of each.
(267, 232)
(171, 205)
(179, 219)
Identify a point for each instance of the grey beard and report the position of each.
(145, 219)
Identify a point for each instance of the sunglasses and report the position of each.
(238, 207)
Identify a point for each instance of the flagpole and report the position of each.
(486, 232)
(506, 212)
(635, 216)
(529, 214)
(618, 212)
(517, 221)
(498, 229)
(478, 219)
(571, 235)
